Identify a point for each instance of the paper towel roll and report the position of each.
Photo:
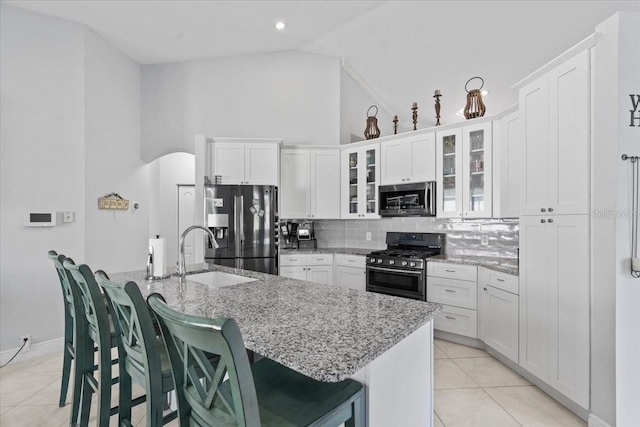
(159, 256)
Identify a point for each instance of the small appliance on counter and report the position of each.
(306, 237)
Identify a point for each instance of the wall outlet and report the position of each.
(27, 346)
(68, 216)
(368, 235)
(484, 240)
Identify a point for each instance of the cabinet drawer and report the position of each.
(320, 259)
(461, 321)
(504, 281)
(459, 293)
(293, 259)
(452, 271)
(350, 260)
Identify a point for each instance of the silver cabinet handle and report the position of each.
(449, 271)
(550, 209)
(500, 280)
(550, 220)
(543, 221)
(543, 210)
(450, 290)
(351, 260)
(450, 318)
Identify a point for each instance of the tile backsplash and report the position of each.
(464, 237)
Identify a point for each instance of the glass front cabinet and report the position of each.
(464, 172)
(360, 169)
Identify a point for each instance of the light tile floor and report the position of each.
(471, 389)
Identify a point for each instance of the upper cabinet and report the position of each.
(360, 167)
(251, 163)
(507, 156)
(408, 159)
(554, 116)
(310, 183)
(464, 168)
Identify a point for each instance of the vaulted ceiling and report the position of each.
(403, 50)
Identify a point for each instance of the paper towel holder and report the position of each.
(150, 264)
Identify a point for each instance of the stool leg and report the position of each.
(104, 386)
(66, 372)
(76, 395)
(124, 402)
(358, 413)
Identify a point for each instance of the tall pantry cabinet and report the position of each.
(554, 227)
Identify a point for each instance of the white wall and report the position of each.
(114, 240)
(290, 95)
(70, 133)
(42, 166)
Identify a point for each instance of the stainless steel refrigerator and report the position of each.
(244, 220)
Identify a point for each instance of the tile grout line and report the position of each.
(503, 408)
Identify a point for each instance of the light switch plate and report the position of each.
(368, 235)
(484, 240)
(68, 216)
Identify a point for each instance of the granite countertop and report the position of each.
(325, 332)
(346, 251)
(503, 265)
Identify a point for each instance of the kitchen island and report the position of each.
(325, 332)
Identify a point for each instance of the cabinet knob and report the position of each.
(403, 179)
(408, 179)
(550, 209)
(543, 210)
(484, 289)
(543, 220)
(550, 220)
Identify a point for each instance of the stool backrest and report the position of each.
(191, 341)
(71, 299)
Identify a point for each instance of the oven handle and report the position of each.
(394, 270)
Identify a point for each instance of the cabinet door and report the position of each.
(422, 158)
(350, 278)
(534, 135)
(227, 160)
(395, 161)
(299, 273)
(498, 320)
(449, 172)
(506, 167)
(295, 184)
(325, 184)
(476, 167)
(349, 160)
(569, 142)
(261, 164)
(369, 181)
(537, 258)
(320, 274)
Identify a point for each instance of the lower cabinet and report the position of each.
(498, 312)
(455, 287)
(350, 271)
(317, 268)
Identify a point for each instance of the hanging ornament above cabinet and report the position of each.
(475, 107)
(372, 131)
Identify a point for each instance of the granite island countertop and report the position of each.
(345, 251)
(325, 332)
(503, 265)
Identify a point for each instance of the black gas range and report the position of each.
(401, 269)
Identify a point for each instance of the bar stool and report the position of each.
(142, 353)
(265, 393)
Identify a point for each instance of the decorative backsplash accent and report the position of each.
(464, 237)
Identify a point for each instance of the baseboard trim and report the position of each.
(38, 349)
(595, 421)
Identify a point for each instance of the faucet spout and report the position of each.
(182, 268)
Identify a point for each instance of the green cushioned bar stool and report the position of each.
(142, 353)
(235, 393)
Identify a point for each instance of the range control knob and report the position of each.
(379, 261)
(404, 263)
(412, 264)
(372, 260)
(391, 262)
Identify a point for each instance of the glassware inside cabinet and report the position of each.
(449, 173)
(371, 181)
(477, 172)
(353, 183)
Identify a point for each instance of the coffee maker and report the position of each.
(306, 237)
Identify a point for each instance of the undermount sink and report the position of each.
(218, 279)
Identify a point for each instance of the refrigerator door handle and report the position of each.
(241, 216)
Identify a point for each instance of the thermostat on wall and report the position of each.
(42, 219)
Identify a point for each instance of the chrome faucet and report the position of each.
(182, 268)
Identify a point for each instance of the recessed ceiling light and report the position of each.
(280, 25)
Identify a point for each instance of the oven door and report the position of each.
(397, 282)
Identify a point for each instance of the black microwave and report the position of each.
(417, 199)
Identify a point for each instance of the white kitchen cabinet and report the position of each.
(360, 174)
(554, 302)
(350, 271)
(464, 167)
(555, 129)
(507, 165)
(498, 312)
(455, 287)
(408, 159)
(247, 163)
(310, 183)
(316, 268)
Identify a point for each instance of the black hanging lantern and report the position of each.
(372, 131)
(475, 107)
